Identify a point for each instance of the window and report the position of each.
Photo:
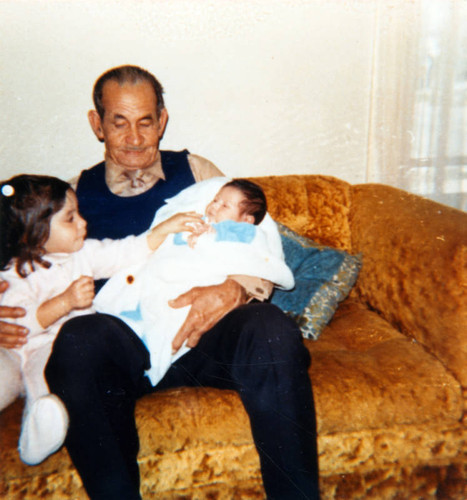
(418, 138)
(437, 165)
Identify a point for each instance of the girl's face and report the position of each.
(226, 206)
(67, 228)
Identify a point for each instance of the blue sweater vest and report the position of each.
(112, 216)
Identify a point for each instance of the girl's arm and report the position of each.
(78, 295)
(178, 223)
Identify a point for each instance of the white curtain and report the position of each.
(419, 99)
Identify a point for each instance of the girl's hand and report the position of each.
(185, 221)
(80, 293)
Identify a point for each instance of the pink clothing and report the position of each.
(99, 259)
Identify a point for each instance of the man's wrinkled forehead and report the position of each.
(115, 93)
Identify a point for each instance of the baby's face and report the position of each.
(226, 206)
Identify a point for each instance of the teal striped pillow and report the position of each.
(323, 276)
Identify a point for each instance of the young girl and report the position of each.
(51, 267)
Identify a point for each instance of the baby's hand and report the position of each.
(197, 232)
(80, 293)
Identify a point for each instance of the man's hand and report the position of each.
(208, 305)
(11, 335)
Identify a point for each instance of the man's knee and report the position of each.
(79, 347)
(267, 330)
(83, 329)
(268, 323)
(87, 345)
(77, 339)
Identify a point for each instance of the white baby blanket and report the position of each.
(139, 295)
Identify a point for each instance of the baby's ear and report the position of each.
(248, 218)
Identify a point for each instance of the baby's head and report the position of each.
(238, 200)
(31, 206)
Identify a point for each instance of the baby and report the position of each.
(239, 239)
(230, 215)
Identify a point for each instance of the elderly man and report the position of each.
(98, 364)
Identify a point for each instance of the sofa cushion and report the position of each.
(323, 276)
(368, 380)
(368, 375)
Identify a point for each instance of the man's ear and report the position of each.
(96, 124)
(163, 119)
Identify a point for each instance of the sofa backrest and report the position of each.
(414, 268)
(315, 206)
(414, 253)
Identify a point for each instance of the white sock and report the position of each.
(44, 429)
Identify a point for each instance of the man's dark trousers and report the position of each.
(97, 368)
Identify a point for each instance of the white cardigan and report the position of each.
(98, 259)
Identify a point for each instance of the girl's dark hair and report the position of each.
(27, 204)
(255, 201)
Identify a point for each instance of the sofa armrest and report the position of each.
(414, 268)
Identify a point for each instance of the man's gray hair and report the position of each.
(127, 74)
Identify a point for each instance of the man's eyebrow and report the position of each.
(118, 116)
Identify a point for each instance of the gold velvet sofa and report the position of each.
(389, 372)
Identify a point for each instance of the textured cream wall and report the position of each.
(257, 86)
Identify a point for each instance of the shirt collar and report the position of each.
(57, 258)
(132, 182)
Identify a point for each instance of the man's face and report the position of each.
(130, 128)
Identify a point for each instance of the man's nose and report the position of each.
(134, 136)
